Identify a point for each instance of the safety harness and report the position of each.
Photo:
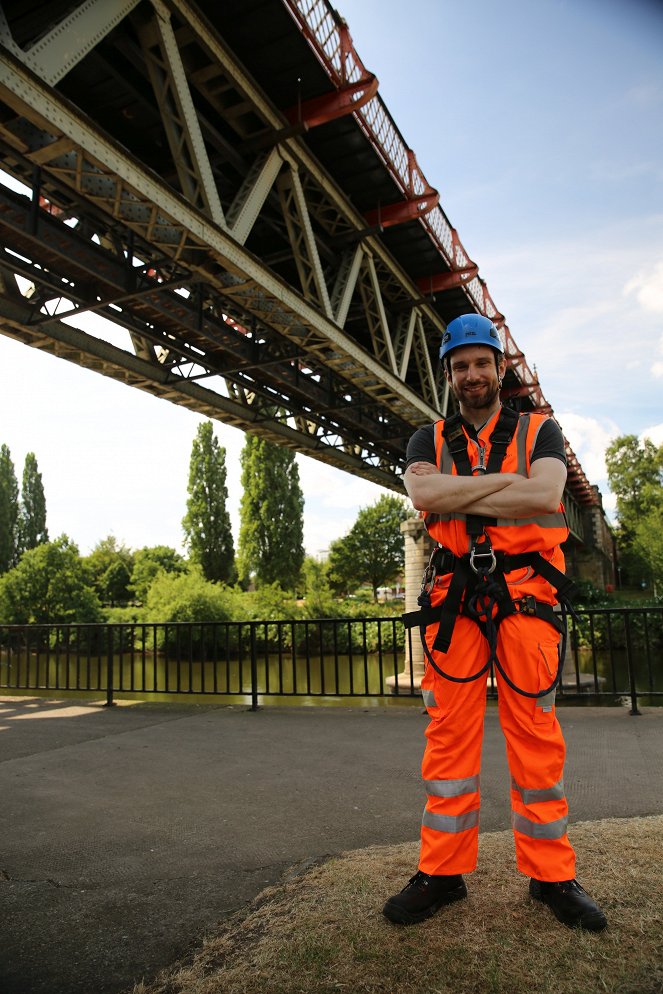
(478, 587)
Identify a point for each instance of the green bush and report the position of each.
(187, 598)
(48, 586)
(267, 603)
(588, 595)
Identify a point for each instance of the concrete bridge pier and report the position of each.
(417, 552)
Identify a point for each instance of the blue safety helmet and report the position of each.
(470, 329)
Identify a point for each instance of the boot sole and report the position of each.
(591, 922)
(399, 916)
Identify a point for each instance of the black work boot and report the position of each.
(422, 897)
(569, 904)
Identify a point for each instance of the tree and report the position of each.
(635, 472)
(109, 565)
(9, 512)
(319, 600)
(32, 513)
(149, 562)
(373, 550)
(48, 585)
(271, 536)
(206, 524)
(648, 542)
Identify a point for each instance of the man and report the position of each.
(490, 484)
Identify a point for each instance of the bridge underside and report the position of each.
(221, 182)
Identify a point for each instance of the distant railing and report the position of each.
(613, 655)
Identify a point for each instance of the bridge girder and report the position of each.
(196, 217)
(181, 230)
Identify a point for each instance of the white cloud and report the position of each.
(655, 434)
(657, 367)
(589, 438)
(609, 504)
(648, 289)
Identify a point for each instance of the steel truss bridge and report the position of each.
(224, 183)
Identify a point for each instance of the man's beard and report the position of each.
(479, 400)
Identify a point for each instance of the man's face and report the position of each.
(474, 377)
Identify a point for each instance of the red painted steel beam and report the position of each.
(404, 210)
(420, 199)
(345, 100)
(440, 282)
(354, 85)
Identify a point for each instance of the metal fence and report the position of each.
(612, 655)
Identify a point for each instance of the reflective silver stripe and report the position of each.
(452, 788)
(547, 700)
(537, 830)
(521, 444)
(429, 698)
(555, 520)
(531, 796)
(536, 433)
(450, 823)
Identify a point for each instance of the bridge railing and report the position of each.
(613, 655)
(574, 516)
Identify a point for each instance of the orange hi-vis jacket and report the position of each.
(540, 533)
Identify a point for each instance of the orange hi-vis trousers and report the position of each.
(527, 649)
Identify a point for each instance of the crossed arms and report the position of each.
(500, 495)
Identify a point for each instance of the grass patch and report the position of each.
(323, 933)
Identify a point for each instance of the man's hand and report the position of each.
(540, 493)
(423, 469)
(498, 495)
(441, 493)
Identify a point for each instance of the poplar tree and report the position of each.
(9, 512)
(271, 536)
(206, 524)
(32, 514)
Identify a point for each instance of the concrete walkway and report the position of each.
(127, 834)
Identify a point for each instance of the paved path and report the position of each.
(127, 834)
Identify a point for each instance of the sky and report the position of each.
(540, 122)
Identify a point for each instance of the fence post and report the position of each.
(109, 668)
(629, 662)
(254, 668)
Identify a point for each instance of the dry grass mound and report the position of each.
(323, 933)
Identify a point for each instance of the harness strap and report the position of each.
(454, 436)
(500, 439)
(477, 596)
(563, 585)
(424, 617)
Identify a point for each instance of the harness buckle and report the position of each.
(430, 573)
(428, 579)
(480, 552)
(526, 605)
